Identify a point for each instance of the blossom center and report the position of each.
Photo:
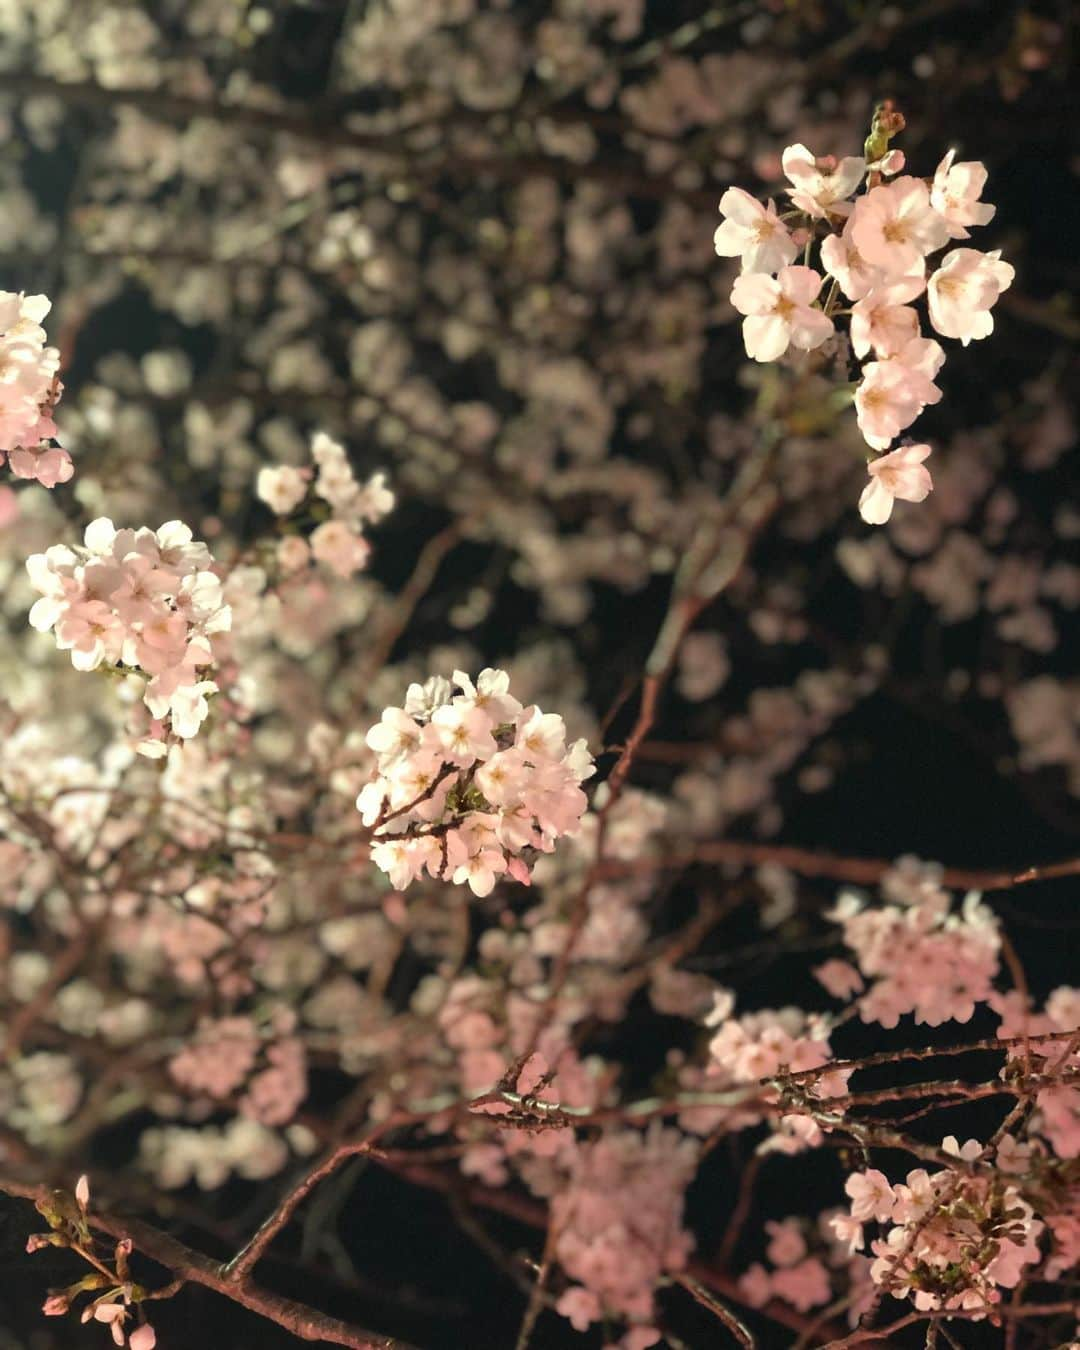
(949, 286)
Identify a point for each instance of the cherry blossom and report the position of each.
(822, 186)
(955, 194)
(956, 1238)
(894, 392)
(143, 602)
(963, 290)
(528, 346)
(282, 489)
(871, 1196)
(29, 389)
(339, 543)
(920, 956)
(883, 320)
(619, 1222)
(900, 474)
(779, 312)
(841, 259)
(894, 226)
(469, 782)
(874, 250)
(754, 233)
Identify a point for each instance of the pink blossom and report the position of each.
(894, 226)
(804, 1286)
(753, 232)
(340, 547)
(955, 195)
(848, 1230)
(523, 789)
(899, 474)
(840, 978)
(755, 1285)
(963, 290)
(579, 1306)
(464, 732)
(787, 1246)
(282, 488)
(871, 1195)
(821, 185)
(842, 260)
(778, 312)
(884, 320)
(145, 600)
(893, 392)
(28, 390)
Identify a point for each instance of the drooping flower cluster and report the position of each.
(873, 251)
(957, 1237)
(916, 955)
(619, 1227)
(143, 601)
(337, 543)
(470, 784)
(29, 389)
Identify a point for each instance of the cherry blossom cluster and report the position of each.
(1057, 1105)
(470, 785)
(29, 390)
(874, 249)
(338, 542)
(755, 1046)
(220, 1059)
(619, 1228)
(957, 1237)
(916, 955)
(803, 1262)
(141, 602)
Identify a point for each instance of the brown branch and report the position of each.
(238, 1269)
(718, 1309)
(192, 1267)
(994, 1311)
(810, 863)
(925, 1052)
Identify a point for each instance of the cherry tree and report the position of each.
(429, 625)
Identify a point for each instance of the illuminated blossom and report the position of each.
(962, 291)
(779, 313)
(900, 474)
(29, 388)
(955, 194)
(894, 392)
(821, 185)
(883, 320)
(493, 779)
(894, 226)
(144, 601)
(754, 233)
